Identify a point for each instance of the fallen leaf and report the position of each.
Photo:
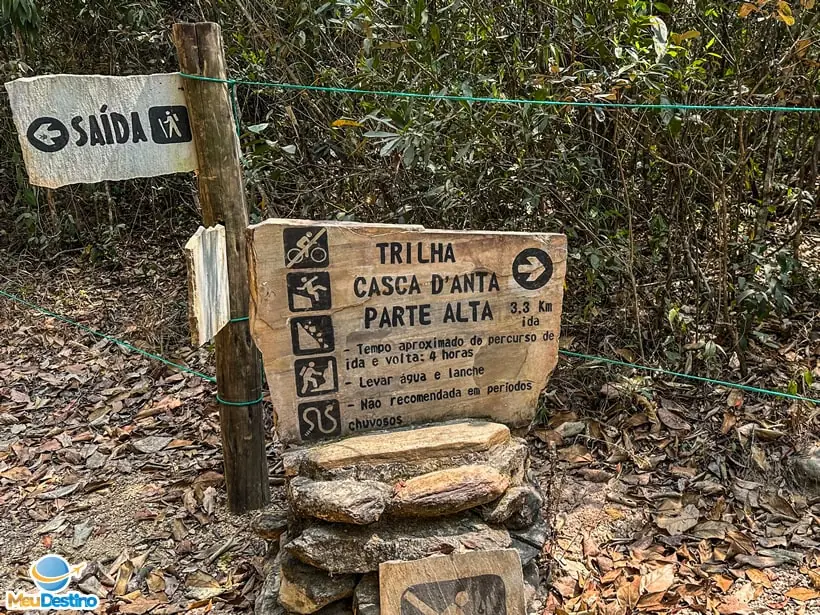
(151, 444)
(814, 577)
(658, 580)
(52, 526)
(17, 473)
(629, 593)
(678, 524)
(723, 582)
(651, 602)
(155, 581)
(757, 561)
(577, 453)
(82, 531)
(123, 576)
(566, 586)
(672, 420)
(802, 594)
(549, 436)
(758, 577)
(735, 398)
(139, 606)
(60, 492)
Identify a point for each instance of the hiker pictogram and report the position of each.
(312, 335)
(305, 247)
(169, 124)
(315, 376)
(309, 291)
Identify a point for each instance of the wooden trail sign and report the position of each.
(377, 326)
(89, 128)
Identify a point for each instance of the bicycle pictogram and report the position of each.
(306, 247)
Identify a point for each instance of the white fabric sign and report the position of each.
(90, 128)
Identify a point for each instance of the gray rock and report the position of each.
(340, 501)
(267, 600)
(366, 596)
(527, 552)
(532, 583)
(518, 508)
(304, 589)
(360, 549)
(532, 574)
(806, 468)
(270, 523)
(535, 536)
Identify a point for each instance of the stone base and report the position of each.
(396, 496)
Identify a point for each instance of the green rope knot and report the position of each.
(240, 403)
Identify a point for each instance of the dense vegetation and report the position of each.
(687, 230)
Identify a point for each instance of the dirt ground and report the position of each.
(663, 497)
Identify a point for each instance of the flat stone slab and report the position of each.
(448, 491)
(342, 549)
(447, 440)
(489, 582)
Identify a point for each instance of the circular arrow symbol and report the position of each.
(47, 134)
(532, 268)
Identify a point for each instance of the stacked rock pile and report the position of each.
(399, 495)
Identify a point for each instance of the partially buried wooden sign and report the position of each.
(477, 583)
(378, 326)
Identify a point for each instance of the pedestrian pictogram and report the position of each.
(315, 376)
(532, 268)
(47, 134)
(485, 594)
(312, 335)
(319, 419)
(306, 247)
(169, 124)
(309, 291)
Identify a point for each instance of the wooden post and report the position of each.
(222, 197)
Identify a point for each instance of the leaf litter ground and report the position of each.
(662, 500)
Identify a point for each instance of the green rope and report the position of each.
(110, 338)
(240, 319)
(240, 403)
(506, 101)
(578, 355)
(659, 370)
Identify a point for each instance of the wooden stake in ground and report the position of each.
(222, 196)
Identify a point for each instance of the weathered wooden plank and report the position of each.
(222, 196)
(209, 307)
(480, 582)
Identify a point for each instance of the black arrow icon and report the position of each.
(47, 134)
